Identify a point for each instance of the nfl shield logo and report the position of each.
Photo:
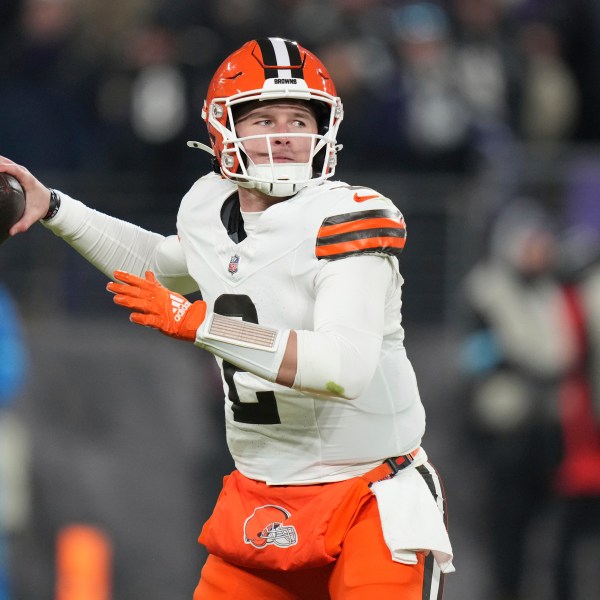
(233, 264)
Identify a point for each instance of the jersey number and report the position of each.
(263, 412)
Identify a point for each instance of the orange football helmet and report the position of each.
(272, 69)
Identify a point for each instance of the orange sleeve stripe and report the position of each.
(372, 243)
(359, 225)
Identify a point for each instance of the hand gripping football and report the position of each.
(12, 204)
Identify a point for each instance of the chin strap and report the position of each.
(216, 167)
(200, 146)
(279, 180)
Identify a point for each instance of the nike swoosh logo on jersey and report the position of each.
(358, 198)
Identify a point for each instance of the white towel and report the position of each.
(411, 519)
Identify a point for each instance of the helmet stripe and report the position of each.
(268, 56)
(278, 53)
(295, 59)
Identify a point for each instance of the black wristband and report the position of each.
(54, 206)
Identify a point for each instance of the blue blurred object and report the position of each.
(4, 582)
(480, 352)
(420, 22)
(13, 358)
(13, 364)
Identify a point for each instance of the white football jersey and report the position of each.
(277, 434)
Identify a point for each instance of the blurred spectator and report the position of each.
(518, 350)
(424, 120)
(314, 23)
(47, 90)
(486, 61)
(578, 22)
(488, 73)
(104, 25)
(550, 95)
(13, 500)
(144, 100)
(578, 475)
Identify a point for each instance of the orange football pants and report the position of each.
(364, 570)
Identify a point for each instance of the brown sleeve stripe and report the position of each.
(361, 225)
(370, 231)
(386, 245)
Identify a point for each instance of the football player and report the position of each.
(333, 495)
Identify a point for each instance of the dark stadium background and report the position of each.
(125, 426)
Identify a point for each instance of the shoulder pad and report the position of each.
(356, 193)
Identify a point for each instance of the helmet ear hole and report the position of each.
(322, 112)
(319, 160)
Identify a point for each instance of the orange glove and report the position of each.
(156, 306)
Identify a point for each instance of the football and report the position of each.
(12, 204)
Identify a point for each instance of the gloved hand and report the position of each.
(156, 306)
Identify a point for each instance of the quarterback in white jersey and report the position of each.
(273, 277)
(333, 495)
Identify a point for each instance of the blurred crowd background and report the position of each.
(478, 118)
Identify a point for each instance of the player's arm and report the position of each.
(111, 244)
(340, 355)
(106, 242)
(337, 359)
